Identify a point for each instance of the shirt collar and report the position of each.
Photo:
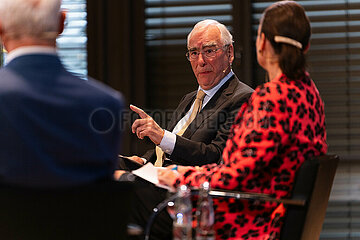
(30, 50)
(211, 92)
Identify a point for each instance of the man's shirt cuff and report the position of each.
(144, 159)
(168, 141)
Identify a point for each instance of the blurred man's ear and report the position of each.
(62, 21)
(1, 30)
(1, 36)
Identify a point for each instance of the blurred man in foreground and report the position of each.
(56, 129)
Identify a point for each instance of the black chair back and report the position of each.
(95, 211)
(303, 187)
(313, 184)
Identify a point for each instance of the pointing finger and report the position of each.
(139, 111)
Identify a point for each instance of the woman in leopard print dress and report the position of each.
(281, 126)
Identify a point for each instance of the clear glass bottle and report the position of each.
(182, 222)
(205, 214)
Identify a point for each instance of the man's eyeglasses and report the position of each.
(207, 52)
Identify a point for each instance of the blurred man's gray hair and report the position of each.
(226, 36)
(30, 18)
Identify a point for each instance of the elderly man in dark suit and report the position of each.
(201, 123)
(56, 129)
(199, 138)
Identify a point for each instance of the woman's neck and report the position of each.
(271, 62)
(273, 70)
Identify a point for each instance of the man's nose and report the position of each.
(201, 59)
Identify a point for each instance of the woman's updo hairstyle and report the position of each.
(288, 19)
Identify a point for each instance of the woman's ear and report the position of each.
(262, 42)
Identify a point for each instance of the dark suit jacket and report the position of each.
(204, 140)
(56, 129)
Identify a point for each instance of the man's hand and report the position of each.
(137, 159)
(146, 126)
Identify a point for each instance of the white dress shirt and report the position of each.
(167, 143)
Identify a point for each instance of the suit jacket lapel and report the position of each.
(181, 110)
(215, 102)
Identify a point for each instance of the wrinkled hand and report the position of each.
(167, 176)
(118, 173)
(137, 159)
(146, 126)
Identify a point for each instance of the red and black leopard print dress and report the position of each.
(282, 125)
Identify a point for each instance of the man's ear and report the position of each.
(1, 30)
(2, 36)
(231, 53)
(62, 22)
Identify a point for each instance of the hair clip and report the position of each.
(281, 39)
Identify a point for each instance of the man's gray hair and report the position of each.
(30, 18)
(226, 36)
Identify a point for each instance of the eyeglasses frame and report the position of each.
(203, 53)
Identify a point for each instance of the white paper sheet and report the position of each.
(149, 173)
